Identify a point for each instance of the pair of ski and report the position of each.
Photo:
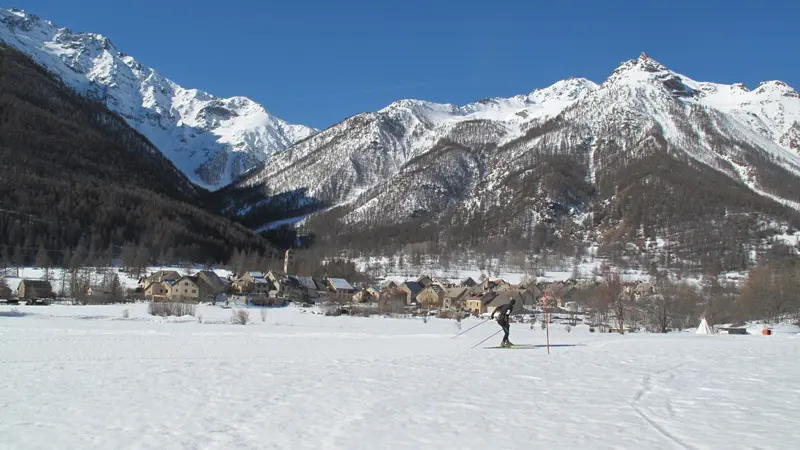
(523, 346)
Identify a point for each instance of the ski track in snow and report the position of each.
(646, 387)
(84, 377)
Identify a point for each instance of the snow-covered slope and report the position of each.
(575, 148)
(358, 153)
(114, 377)
(355, 155)
(211, 139)
(772, 109)
(723, 127)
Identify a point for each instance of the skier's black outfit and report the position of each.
(503, 313)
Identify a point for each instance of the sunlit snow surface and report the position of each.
(84, 377)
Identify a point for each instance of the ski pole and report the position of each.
(474, 326)
(481, 342)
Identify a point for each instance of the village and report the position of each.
(567, 301)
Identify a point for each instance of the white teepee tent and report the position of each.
(705, 328)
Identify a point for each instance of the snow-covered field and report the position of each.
(85, 377)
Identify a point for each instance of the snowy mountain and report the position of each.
(75, 177)
(212, 140)
(640, 155)
(355, 155)
(644, 156)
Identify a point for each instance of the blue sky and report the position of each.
(317, 62)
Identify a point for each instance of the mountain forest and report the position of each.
(77, 181)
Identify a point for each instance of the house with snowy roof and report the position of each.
(262, 286)
(412, 289)
(558, 293)
(492, 285)
(392, 300)
(431, 295)
(468, 283)
(190, 289)
(214, 282)
(454, 298)
(366, 295)
(277, 278)
(244, 282)
(388, 284)
(425, 280)
(446, 283)
(158, 291)
(252, 282)
(304, 289)
(476, 301)
(340, 285)
(159, 276)
(340, 290)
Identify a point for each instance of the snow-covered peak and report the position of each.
(211, 139)
(642, 67)
(543, 102)
(565, 90)
(776, 88)
(645, 72)
(740, 87)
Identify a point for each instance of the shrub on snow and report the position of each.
(165, 309)
(240, 317)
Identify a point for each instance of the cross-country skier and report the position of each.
(503, 314)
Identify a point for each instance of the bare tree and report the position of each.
(660, 304)
(115, 290)
(5, 260)
(391, 301)
(771, 291)
(62, 291)
(188, 266)
(79, 285)
(3, 283)
(576, 269)
(240, 317)
(19, 259)
(672, 305)
(141, 261)
(43, 261)
(128, 257)
(610, 298)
